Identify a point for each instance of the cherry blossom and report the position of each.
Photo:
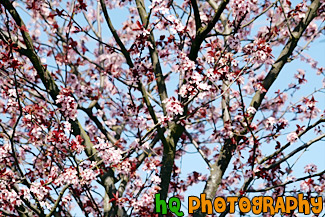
(106, 103)
(292, 137)
(68, 104)
(173, 107)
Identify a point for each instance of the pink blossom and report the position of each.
(87, 175)
(76, 145)
(283, 122)
(68, 177)
(292, 137)
(269, 123)
(251, 110)
(159, 6)
(39, 190)
(155, 179)
(310, 168)
(108, 153)
(241, 7)
(234, 43)
(124, 167)
(290, 178)
(173, 107)
(307, 185)
(67, 103)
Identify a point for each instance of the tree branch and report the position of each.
(285, 54)
(306, 145)
(115, 35)
(288, 144)
(202, 32)
(197, 17)
(58, 200)
(286, 183)
(219, 168)
(108, 178)
(162, 91)
(198, 148)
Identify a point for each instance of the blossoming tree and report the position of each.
(101, 100)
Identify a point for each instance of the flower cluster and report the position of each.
(271, 123)
(84, 175)
(173, 107)
(110, 154)
(234, 43)
(8, 198)
(67, 103)
(260, 51)
(242, 7)
(292, 137)
(310, 168)
(76, 144)
(159, 6)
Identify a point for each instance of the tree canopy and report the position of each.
(101, 101)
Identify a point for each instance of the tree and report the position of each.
(99, 110)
